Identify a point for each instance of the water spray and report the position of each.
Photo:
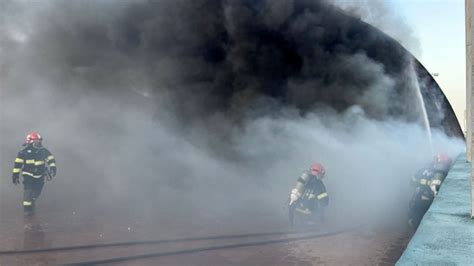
(424, 115)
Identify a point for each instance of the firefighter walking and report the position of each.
(35, 163)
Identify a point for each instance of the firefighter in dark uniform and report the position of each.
(427, 182)
(34, 163)
(311, 191)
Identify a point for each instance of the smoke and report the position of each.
(380, 15)
(227, 54)
(190, 111)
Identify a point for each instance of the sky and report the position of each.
(438, 26)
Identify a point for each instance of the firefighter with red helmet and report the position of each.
(34, 163)
(427, 182)
(311, 191)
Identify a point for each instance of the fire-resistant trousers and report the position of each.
(32, 188)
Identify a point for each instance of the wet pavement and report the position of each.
(48, 230)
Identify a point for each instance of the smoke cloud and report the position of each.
(189, 111)
(381, 14)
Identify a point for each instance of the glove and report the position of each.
(294, 196)
(52, 171)
(434, 186)
(16, 180)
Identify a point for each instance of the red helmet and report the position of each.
(441, 158)
(33, 137)
(318, 170)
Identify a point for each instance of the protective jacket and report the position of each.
(309, 187)
(33, 162)
(423, 177)
(431, 177)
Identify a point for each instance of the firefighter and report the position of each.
(427, 182)
(311, 190)
(34, 163)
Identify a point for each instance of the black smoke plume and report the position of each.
(227, 56)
